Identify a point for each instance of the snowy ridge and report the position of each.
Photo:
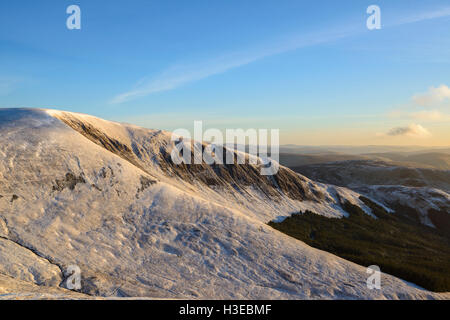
(107, 200)
(148, 145)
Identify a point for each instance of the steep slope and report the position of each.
(150, 150)
(430, 206)
(396, 242)
(105, 197)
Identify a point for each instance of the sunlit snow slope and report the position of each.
(77, 190)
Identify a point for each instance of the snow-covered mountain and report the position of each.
(78, 190)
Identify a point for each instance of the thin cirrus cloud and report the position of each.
(177, 76)
(436, 14)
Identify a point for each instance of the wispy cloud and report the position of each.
(434, 96)
(430, 15)
(177, 76)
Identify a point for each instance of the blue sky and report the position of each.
(309, 68)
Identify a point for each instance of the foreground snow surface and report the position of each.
(138, 232)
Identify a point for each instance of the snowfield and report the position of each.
(422, 199)
(78, 190)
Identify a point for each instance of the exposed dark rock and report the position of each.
(95, 187)
(145, 183)
(237, 176)
(70, 181)
(105, 172)
(101, 139)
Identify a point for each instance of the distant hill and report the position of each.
(361, 150)
(356, 173)
(426, 158)
(437, 160)
(295, 160)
